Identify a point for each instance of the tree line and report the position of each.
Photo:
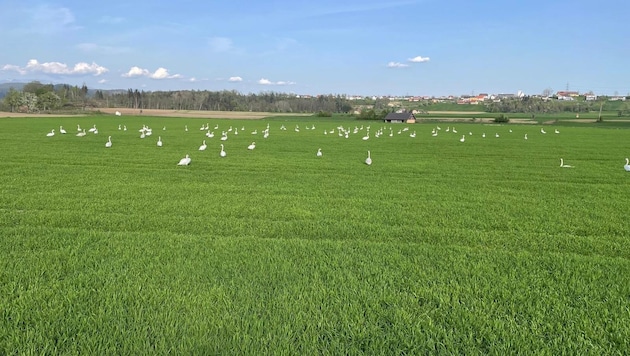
(36, 96)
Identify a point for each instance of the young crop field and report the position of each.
(485, 246)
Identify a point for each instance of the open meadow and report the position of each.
(485, 246)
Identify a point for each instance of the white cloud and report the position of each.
(264, 81)
(419, 59)
(102, 81)
(160, 73)
(136, 72)
(235, 79)
(220, 44)
(396, 65)
(33, 66)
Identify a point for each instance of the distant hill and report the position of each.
(4, 88)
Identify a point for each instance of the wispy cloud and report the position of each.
(419, 59)
(96, 48)
(33, 66)
(349, 7)
(220, 44)
(111, 20)
(235, 79)
(50, 19)
(264, 81)
(397, 65)
(160, 73)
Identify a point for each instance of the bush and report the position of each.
(502, 119)
(322, 113)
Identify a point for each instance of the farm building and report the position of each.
(400, 117)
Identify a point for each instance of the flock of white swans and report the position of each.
(341, 131)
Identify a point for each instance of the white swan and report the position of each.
(562, 165)
(252, 146)
(366, 137)
(483, 135)
(159, 143)
(78, 128)
(627, 165)
(526, 136)
(184, 161)
(119, 127)
(556, 131)
(92, 129)
(496, 135)
(51, 133)
(319, 152)
(82, 133)
(186, 128)
(542, 131)
(203, 146)
(368, 160)
(463, 138)
(62, 130)
(125, 128)
(222, 153)
(108, 144)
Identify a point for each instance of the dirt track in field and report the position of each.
(169, 113)
(198, 113)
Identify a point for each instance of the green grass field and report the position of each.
(481, 247)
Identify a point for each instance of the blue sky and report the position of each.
(368, 47)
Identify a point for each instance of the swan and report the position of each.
(142, 135)
(184, 161)
(82, 133)
(368, 160)
(434, 134)
(119, 127)
(216, 127)
(454, 131)
(78, 128)
(224, 138)
(159, 143)
(92, 129)
(627, 165)
(319, 152)
(483, 135)
(51, 133)
(463, 138)
(496, 135)
(108, 144)
(556, 131)
(222, 154)
(62, 130)
(562, 165)
(252, 146)
(164, 128)
(236, 130)
(186, 128)
(542, 131)
(203, 146)
(366, 137)
(413, 134)
(255, 132)
(526, 136)
(125, 128)
(95, 131)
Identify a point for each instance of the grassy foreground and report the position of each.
(481, 247)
